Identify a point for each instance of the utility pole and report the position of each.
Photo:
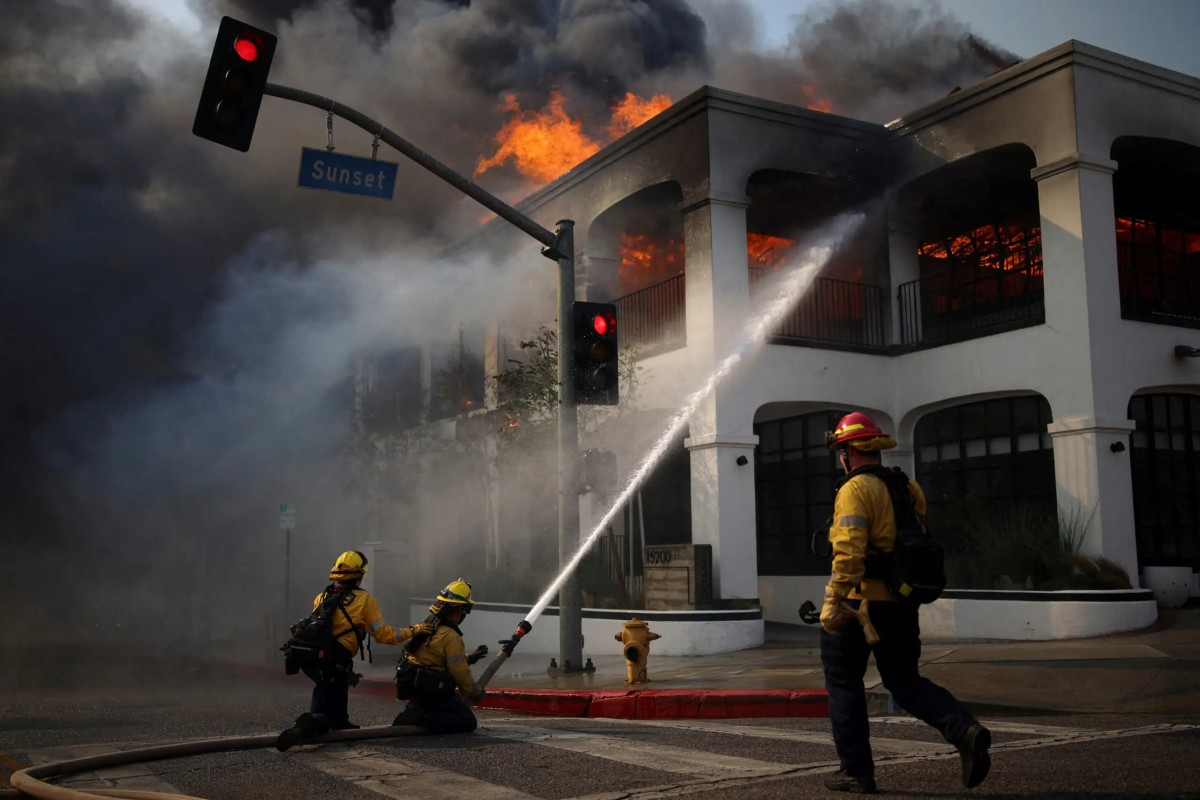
(560, 247)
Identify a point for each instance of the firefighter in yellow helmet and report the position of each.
(433, 666)
(355, 615)
(864, 521)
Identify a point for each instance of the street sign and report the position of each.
(323, 169)
(287, 517)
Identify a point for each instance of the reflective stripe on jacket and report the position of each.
(863, 517)
(445, 650)
(363, 610)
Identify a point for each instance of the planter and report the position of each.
(1036, 616)
(1171, 585)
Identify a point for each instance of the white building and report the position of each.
(1011, 310)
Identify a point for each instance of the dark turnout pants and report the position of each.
(443, 713)
(328, 708)
(896, 655)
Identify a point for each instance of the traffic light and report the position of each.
(595, 339)
(233, 89)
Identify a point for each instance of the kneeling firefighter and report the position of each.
(434, 664)
(344, 615)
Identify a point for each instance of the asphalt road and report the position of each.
(1084, 756)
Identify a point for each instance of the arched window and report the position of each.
(793, 479)
(1166, 478)
(994, 450)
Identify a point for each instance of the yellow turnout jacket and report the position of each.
(863, 518)
(363, 610)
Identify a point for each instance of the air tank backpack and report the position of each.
(312, 643)
(915, 569)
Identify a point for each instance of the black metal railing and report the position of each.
(832, 312)
(653, 320)
(969, 302)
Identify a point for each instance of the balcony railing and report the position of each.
(832, 312)
(653, 319)
(968, 303)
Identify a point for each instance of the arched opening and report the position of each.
(979, 250)
(845, 304)
(1158, 230)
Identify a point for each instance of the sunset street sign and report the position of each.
(324, 169)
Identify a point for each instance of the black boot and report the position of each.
(303, 728)
(844, 782)
(973, 750)
(411, 715)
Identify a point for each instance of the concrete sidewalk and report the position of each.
(1155, 670)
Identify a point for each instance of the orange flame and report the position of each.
(1001, 247)
(767, 252)
(646, 260)
(814, 103)
(631, 111)
(545, 144)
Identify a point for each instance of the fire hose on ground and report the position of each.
(32, 780)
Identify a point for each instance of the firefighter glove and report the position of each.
(478, 654)
(422, 627)
(832, 612)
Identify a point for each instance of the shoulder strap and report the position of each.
(897, 486)
(358, 635)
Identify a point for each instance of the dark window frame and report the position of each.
(794, 474)
(1165, 475)
(996, 450)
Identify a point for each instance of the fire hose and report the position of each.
(32, 780)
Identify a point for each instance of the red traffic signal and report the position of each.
(604, 324)
(246, 47)
(235, 83)
(594, 332)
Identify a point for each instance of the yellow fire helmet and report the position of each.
(349, 566)
(456, 593)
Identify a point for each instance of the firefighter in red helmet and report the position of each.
(864, 521)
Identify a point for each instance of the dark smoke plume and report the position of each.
(180, 323)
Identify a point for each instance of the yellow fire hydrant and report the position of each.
(636, 638)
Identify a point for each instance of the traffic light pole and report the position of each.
(570, 612)
(560, 247)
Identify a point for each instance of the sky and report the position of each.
(183, 330)
(1161, 32)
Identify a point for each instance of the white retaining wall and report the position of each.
(684, 633)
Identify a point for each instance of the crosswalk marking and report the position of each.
(634, 753)
(390, 776)
(785, 735)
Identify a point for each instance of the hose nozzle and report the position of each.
(507, 645)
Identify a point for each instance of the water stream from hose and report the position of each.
(794, 282)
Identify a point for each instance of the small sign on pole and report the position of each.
(287, 516)
(323, 169)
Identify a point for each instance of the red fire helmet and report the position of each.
(854, 426)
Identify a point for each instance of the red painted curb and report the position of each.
(662, 703)
(619, 703)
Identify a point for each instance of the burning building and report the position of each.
(1010, 309)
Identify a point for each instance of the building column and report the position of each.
(717, 309)
(716, 275)
(1083, 303)
(1094, 486)
(905, 267)
(723, 510)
